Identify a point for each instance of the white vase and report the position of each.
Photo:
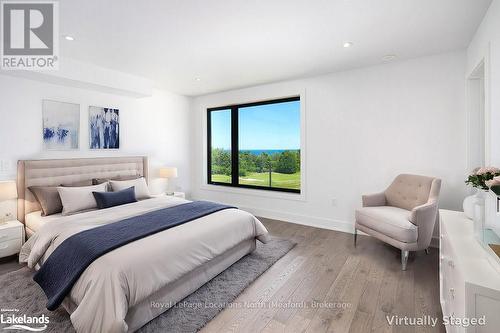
(468, 206)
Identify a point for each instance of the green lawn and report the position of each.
(280, 180)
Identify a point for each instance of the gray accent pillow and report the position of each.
(99, 181)
(49, 199)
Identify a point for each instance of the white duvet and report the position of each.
(124, 277)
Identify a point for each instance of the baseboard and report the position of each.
(311, 221)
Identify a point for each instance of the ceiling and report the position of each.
(196, 47)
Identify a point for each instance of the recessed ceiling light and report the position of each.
(347, 44)
(68, 37)
(389, 57)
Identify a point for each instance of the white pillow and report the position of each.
(77, 199)
(141, 188)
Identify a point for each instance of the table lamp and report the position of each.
(168, 173)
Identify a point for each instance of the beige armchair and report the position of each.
(403, 215)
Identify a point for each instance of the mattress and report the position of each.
(34, 221)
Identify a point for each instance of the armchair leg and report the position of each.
(355, 236)
(404, 259)
(427, 251)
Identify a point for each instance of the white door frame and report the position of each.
(478, 100)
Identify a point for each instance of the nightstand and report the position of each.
(11, 238)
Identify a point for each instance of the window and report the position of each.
(255, 145)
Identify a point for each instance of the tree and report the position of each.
(287, 162)
(262, 163)
(221, 162)
(297, 155)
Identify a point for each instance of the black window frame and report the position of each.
(234, 108)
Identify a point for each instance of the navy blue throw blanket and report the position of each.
(70, 259)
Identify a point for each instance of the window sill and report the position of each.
(256, 192)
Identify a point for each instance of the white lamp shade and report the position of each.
(8, 190)
(168, 172)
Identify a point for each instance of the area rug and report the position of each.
(19, 291)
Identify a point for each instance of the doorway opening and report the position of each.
(476, 132)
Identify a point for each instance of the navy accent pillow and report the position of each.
(111, 199)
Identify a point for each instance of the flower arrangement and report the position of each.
(484, 178)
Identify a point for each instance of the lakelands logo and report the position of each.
(29, 36)
(23, 322)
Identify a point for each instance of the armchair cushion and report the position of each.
(391, 221)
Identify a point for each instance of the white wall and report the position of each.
(485, 46)
(363, 127)
(157, 126)
(77, 74)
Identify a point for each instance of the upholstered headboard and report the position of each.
(67, 171)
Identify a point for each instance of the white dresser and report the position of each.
(469, 276)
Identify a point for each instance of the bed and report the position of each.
(120, 291)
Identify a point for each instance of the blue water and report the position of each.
(267, 151)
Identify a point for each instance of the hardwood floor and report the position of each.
(9, 264)
(325, 284)
(353, 289)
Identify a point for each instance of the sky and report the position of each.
(272, 126)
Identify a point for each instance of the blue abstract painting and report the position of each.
(61, 125)
(104, 128)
